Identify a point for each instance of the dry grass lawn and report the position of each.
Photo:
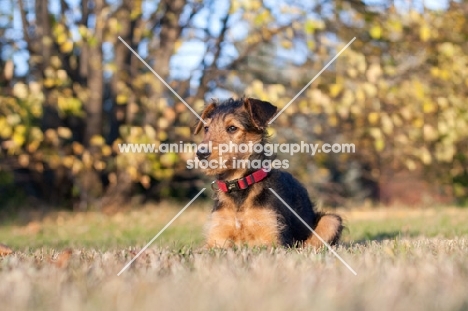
(406, 259)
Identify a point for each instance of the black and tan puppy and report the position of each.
(246, 212)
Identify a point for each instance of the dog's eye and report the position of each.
(232, 129)
(206, 129)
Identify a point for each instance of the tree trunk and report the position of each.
(93, 106)
(124, 63)
(170, 31)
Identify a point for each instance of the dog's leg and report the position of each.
(329, 227)
(220, 230)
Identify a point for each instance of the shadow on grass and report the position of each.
(381, 236)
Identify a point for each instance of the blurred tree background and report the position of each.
(71, 91)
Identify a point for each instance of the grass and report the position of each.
(405, 259)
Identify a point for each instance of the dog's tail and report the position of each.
(328, 227)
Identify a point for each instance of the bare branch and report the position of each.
(207, 73)
(24, 21)
(249, 49)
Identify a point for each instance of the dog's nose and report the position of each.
(203, 154)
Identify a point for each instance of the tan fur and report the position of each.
(218, 135)
(251, 225)
(328, 228)
(221, 228)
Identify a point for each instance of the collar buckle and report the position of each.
(232, 185)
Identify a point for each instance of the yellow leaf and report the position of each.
(387, 125)
(32, 147)
(61, 38)
(447, 49)
(375, 32)
(122, 99)
(445, 152)
(99, 165)
(18, 139)
(360, 95)
(168, 159)
(418, 89)
(66, 47)
(54, 161)
(430, 133)
(425, 156)
(369, 89)
(136, 12)
(62, 103)
(418, 122)
(335, 89)
(235, 5)
(83, 31)
(287, 44)
(20, 90)
(35, 133)
(406, 113)
(177, 45)
(97, 140)
(373, 118)
(106, 150)
(375, 133)
(87, 159)
(77, 167)
(136, 131)
(64, 132)
(20, 129)
(68, 161)
(429, 106)
(113, 24)
(56, 62)
(410, 164)
(255, 5)
(62, 75)
(183, 131)
(424, 33)
(162, 136)
(13, 119)
(49, 82)
(77, 148)
(444, 74)
(379, 145)
(132, 171)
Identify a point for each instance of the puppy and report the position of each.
(245, 211)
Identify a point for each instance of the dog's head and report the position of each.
(229, 124)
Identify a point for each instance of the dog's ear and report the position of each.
(260, 111)
(206, 112)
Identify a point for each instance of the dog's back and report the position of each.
(327, 226)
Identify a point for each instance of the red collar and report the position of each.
(241, 183)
